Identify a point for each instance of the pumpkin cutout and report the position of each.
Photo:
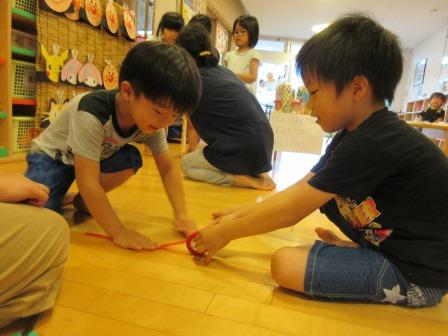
(77, 5)
(71, 69)
(89, 74)
(110, 22)
(58, 6)
(110, 76)
(92, 12)
(54, 62)
(129, 23)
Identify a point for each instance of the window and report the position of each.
(140, 15)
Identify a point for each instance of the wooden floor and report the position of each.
(110, 291)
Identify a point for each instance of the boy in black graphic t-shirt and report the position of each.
(435, 112)
(381, 182)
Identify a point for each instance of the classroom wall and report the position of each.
(432, 49)
(226, 11)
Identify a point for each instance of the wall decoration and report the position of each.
(110, 76)
(187, 10)
(77, 5)
(59, 6)
(92, 12)
(419, 75)
(89, 74)
(58, 29)
(110, 22)
(71, 69)
(221, 41)
(129, 23)
(54, 62)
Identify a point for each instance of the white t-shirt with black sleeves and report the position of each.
(88, 126)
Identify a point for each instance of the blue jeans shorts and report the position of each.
(58, 177)
(361, 275)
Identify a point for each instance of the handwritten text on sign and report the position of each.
(296, 133)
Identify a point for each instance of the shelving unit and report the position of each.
(18, 15)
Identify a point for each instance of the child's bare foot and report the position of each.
(79, 204)
(68, 199)
(261, 182)
(329, 237)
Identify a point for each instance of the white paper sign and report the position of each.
(296, 133)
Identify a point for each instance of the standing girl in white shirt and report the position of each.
(244, 61)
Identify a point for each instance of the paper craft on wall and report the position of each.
(89, 74)
(129, 23)
(77, 5)
(54, 63)
(110, 76)
(296, 133)
(71, 69)
(110, 22)
(92, 12)
(58, 6)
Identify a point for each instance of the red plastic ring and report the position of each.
(190, 247)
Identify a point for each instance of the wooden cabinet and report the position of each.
(17, 75)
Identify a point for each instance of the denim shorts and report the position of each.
(58, 176)
(362, 275)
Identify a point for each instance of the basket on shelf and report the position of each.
(29, 6)
(21, 133)
(24, 40)
(24, 80)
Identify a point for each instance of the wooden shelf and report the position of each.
(20, 101)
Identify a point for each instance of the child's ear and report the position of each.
(360, 87)
(127, 91)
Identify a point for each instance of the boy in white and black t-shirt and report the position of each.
(90, 138)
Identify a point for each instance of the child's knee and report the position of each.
(279, 265)
(288, 266)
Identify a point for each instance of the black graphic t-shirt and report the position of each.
(391, 184)
(432, 115)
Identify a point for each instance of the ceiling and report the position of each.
(411, 20)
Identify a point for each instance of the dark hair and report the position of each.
(250, 23)
(203, 20)
(195, 39)
(163, 73)
(438, 95)
(170, 20)
(354, 45)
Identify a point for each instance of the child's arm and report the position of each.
(253, 72)
(88, 180)
(281, 210)
(173, 186)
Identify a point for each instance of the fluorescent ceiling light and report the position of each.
(319, 27)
